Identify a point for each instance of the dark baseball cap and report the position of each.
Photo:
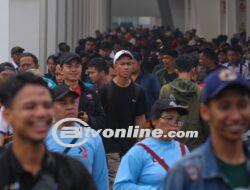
(61, 91)
(68, 57)
(220, 79)
(167, 105)
(17, 49)
(97, 60)
(6, 66)
(136, 56)
(171, 53)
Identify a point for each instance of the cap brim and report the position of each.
(71, 59)
(123, 54)
(66, 93)
(226, 85)
(180, 109)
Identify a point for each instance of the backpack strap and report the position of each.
(155, 156)
(183, 149)
(67, 149)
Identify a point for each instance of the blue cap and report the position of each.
(136, 56)
(220, 79)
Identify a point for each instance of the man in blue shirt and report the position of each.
(148, 82)
(223, 162)
(91, 153)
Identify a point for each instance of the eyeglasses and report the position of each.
(173, 121)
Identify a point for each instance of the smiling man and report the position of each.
(89, 106)
(26, 164)
(223, 162)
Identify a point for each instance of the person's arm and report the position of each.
(100, 169)
(141, 121)
(156, 87)
(141, 109)
(1, 139)
(97, 119)
(175, 179)
(129, 171)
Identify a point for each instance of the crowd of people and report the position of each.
(152, 78)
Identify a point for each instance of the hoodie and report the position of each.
(187, 93)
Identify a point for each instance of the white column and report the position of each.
(52, 30)
(25, 25)
(231, 25)
(4, 31)
(187, 14)
(80, 9)
(61, 21)
(43, 35)
(69, 22)
(248, 18)
(222, 19)
(95, 16)
(75, 13)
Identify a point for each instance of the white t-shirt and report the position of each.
(5, 128)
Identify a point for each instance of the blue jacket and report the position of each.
(151, 87)
(199, 171)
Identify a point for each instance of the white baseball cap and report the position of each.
(121, 53)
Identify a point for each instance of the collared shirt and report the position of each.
(200, 171)
(57, 172)
(164, 77)
(241, 67)
(91, 154)
(14, 65)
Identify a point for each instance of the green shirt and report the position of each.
(236, 174)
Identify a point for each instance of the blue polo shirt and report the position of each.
(91, 154)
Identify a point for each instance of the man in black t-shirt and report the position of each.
(26, 163)
(125, 105)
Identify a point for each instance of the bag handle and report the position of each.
(155, 156)
(160, 160)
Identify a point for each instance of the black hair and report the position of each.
(156, 115)
(209, 52)
(98, 63)
(90, 39)
(223, 50)
(184, 63)
(10, 87)
(236, 49)
(170, 52)
(234, 41)
(55, 58)
(108, 66)
(64, 47)
(27, 54)
(106, 45)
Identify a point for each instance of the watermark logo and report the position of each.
(70, 132)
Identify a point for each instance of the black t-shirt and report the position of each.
(57, 172)
(122, 105)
